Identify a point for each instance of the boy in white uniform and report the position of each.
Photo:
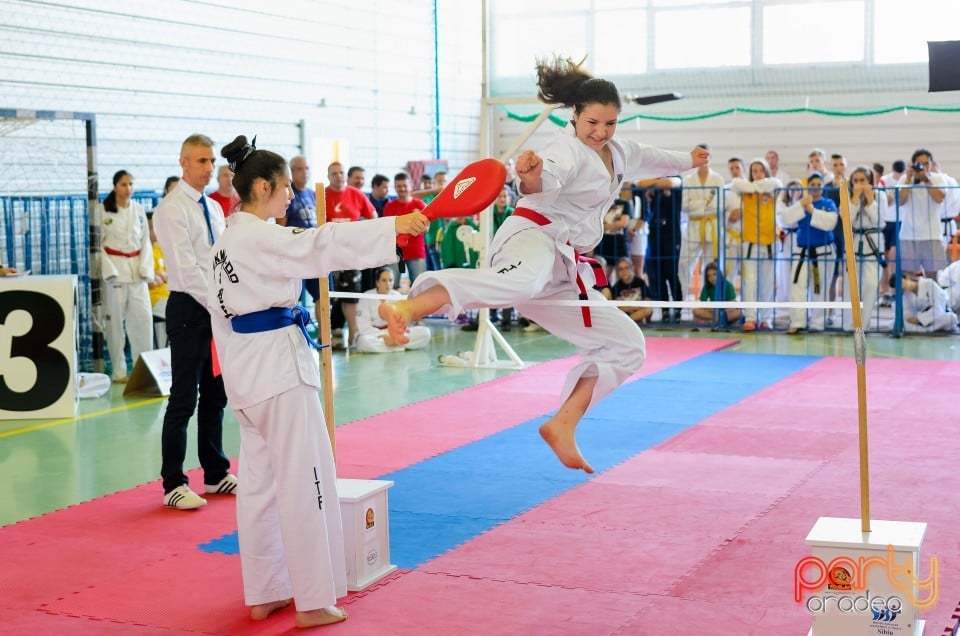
(926, 306)
(288, 512)
(565, 193)
(374, 337)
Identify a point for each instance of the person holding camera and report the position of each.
(922, 198)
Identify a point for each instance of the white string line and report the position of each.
(679, 304)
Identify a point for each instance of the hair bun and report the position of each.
(237, 151)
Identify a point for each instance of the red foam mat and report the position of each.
(709, 524)
(698, 535)
(390, 441)
(420, 603)
(123, 564)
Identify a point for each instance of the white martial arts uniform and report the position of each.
(756, 256)
(288, 512)
(808, 283)
(949, 278)
(701, 205)
(867, 223)
(528, 261)
(930, 306)
(731, 235)
(126, 264)
(372, 328)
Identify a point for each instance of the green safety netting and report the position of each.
(560, 121)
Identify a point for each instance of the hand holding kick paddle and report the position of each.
(472, 191)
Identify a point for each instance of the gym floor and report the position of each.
(114, 442)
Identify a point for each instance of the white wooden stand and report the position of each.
(858, 609)
(366, 531)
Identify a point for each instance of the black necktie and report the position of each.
(206, 215)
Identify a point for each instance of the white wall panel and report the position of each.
(155, 71)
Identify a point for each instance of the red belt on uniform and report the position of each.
(598, 272)
(113, 252)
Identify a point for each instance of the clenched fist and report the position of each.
(700, 157)
(529, 169)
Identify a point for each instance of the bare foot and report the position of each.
(323, 616)
(563, 443)
(397, 316)
(260, 612)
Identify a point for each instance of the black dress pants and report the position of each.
(189, 333)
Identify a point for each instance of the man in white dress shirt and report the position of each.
(187, 224)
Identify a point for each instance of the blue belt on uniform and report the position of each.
(275, 318)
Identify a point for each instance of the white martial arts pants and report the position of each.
(288, 511)
(868, 275)
(692, 249)
(127, 305)
(784, 267)
(373, 342)
(756, 282)
(160, 326)
(809, 284)
(528, 265)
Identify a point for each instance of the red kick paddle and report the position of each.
(472, 191)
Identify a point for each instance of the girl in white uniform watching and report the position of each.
(288, 511)
(535, 255)
(126, 264)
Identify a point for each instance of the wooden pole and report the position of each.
(860, 353)
(323, 317)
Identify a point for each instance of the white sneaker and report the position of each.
(226, 486)
(182, 498)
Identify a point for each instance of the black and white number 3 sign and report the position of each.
(37, 347)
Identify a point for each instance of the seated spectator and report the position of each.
(949, 279)
(716, 288)
(926, 306)
(629, 287)
(373, 336)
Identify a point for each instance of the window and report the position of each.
(518, 41)
(619, 43)
(902, 29)
(702, 38)
(808, 33)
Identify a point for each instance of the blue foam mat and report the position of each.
(497, 478)
(442, 502)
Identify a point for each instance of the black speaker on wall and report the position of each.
(944, 65)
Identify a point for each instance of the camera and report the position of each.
(919, 166)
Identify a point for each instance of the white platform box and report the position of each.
(865, 583)
(366, 530)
